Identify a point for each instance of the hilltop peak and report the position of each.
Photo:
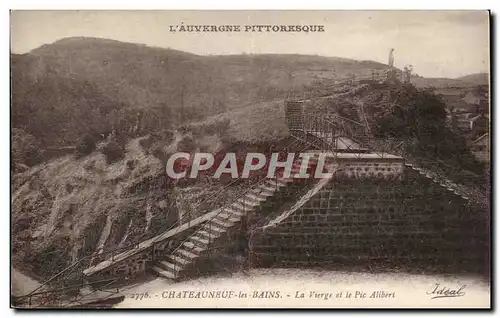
(82, 42)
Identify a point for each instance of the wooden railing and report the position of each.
(207, 226)
(52, 297)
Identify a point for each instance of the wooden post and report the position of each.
(153, 247)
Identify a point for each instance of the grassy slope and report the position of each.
(471, 80)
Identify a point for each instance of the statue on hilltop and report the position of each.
(391, 72)
(391, 60)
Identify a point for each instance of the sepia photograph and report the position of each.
(250, 159)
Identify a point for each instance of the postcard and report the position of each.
(250, 159)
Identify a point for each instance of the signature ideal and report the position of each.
(444, 291)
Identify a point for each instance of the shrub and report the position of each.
(419, 116)
(86, 145)
(25, 148)
(113, 151)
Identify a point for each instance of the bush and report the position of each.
(25, 148)
(113, 151)
(86, 145)
(419, 116)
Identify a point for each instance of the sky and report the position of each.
(436, 43)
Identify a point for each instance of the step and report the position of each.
(179, 260)
(254, 197)
(266, 189)
(228, 216)
(187, 254)
(273, 182)
(214, 227)
(222, 223)
(198, 241)
(193, 247)
(246, 203)
(232, 210)
(206, 234)
(164, 273)
(168, 266)
(242, 208)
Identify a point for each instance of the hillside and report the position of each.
(472, 80)
(157, 101)
(476, 79)
(87, 78)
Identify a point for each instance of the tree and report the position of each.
(419, 117)
(87, 144)
(416, 113)
(25, 148)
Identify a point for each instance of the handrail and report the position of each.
(350, 120)
(436, 176)
(64, 288)
(321, 124)
(249, 189)
(457, 186)
(100, 289)
(60, 290)
(176, 225)
(202, 202)
(113, 252)
(58, 274)
(118, 250)
(325, 122)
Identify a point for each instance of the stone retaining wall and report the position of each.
(400, 222)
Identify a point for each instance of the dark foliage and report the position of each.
(86, 145)
(114, 151)
(418, 116)
(25, 149)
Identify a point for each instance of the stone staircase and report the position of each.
(177, 263)
(448, 185)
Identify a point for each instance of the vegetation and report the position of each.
(80, 87)
(419, 116)
(113, 151)
(86, 145)
(96, 94)
(25, 149)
